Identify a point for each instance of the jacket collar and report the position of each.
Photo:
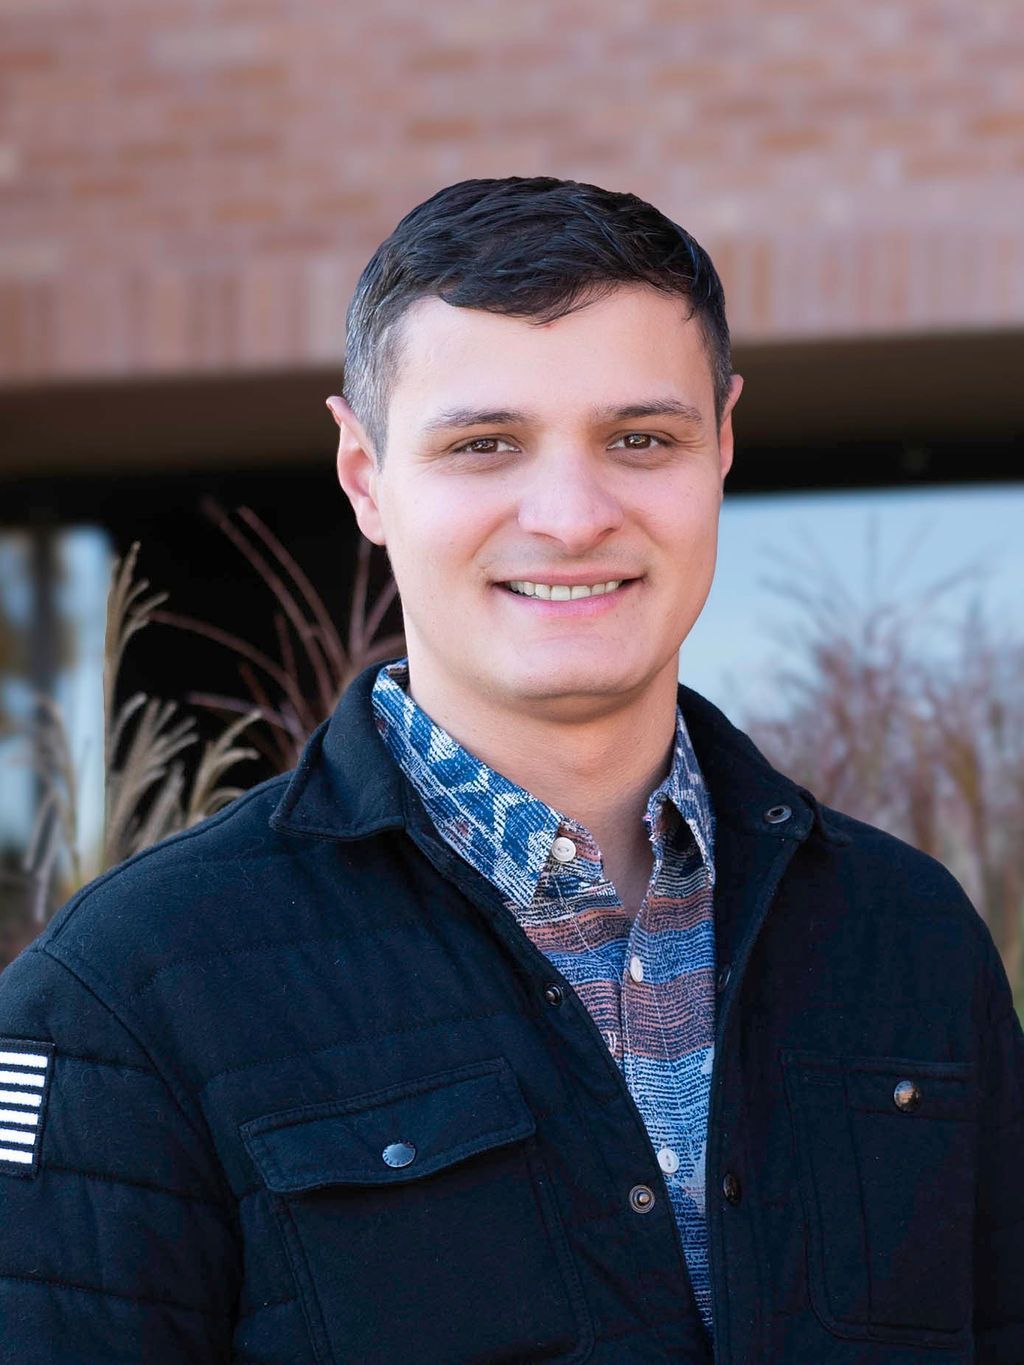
(347, 786)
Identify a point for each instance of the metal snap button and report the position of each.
(723, 978)
(399, 1153)
(907, 1096)
(777, 815)
(731, 1187)
(641, 1199)
(553, 993)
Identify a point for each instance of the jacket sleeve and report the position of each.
(999, 1240)
(118, 1241)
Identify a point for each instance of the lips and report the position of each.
(562, 592)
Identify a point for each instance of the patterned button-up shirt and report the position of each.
(647, 981)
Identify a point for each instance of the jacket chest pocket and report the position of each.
(886, 1152)
(420, 1225)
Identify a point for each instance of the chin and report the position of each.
(570, 682)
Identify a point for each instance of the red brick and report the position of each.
(248, 211)
(846, 101)
(691, 75)
(105, 187)
(338, 204)
(442, 129)
(1004, 123)
(739, 108)
(960, 166)
(896, 130)
(786, 141)
(257, 77)
(696, 145)
(18, 60)
(244, 145)
(804, 69)
(444, 62)
(149, 152)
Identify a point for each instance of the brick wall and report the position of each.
(194, 185)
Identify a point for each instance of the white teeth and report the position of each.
(562, 592)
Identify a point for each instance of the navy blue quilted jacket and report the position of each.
(299, 1089)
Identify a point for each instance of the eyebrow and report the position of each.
(455, 418)
(668, 407)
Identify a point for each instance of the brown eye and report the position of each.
(483, 445)
(639, 440)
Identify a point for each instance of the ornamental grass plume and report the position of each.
(147, 793)
(909, 715)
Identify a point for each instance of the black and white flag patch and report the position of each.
(25, 1070)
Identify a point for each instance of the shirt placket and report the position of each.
(671, 1130)
(638, 976)
(578, 885)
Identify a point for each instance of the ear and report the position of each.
(725, 437)
(358, 472)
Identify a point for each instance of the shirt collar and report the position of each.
(501, 829)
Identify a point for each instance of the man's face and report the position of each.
(575, 453)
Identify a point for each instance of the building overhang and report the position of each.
(904, 404)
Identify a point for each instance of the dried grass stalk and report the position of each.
(147, 796)
(292, 693)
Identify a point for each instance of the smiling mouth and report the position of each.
(563, 592)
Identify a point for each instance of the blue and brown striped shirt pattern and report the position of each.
(647, 981)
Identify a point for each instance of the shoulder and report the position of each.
(177, 897)
(845, 865)
(890, 863)
(907, 894)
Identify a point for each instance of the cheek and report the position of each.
(442, 529)
(431, 544)
(690, 540)
(688, 525)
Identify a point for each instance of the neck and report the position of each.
(594, 762)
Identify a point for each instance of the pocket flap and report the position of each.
(439, 1119)
(941, 1090)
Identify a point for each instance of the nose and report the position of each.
(567, 502)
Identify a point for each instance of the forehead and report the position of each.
(629, 343)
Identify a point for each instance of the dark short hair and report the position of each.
(535, 248)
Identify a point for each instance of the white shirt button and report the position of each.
(636, 968)
(563, 850)
(668, 1161)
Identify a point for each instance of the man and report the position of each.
(535, 1017)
